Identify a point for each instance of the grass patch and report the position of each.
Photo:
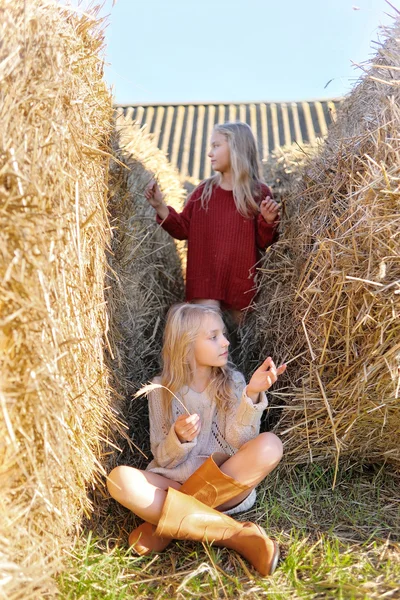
(340, 543)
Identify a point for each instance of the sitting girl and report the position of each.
(208, 453)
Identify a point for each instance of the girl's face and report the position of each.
(220, 154)
(211, 346)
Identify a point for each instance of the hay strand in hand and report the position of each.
(154, 386)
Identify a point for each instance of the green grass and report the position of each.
(340, 543)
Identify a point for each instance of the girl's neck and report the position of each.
(226, 181)
(201, 379)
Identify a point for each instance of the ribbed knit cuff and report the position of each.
(264, 226)
(249, 413)
(174, 449)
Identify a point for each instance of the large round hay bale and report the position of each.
(330, 288)
(55, 121)
(283, 167)
(282, 171)
(145, 275)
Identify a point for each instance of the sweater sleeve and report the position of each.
(244, 417)
(166, 448)
(178, 224)
(266, 233)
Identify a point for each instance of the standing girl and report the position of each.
(227, 219)
(208, 452)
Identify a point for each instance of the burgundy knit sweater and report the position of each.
(223, 246)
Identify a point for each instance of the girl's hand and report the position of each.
(153, 194)
(187, 428)
(269, 210)
(263, 378)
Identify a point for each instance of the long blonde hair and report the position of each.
(182, 328)
(245, 166)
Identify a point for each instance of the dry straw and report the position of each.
(55, 119)
(330, 289)
(282, 168)
(145, 270)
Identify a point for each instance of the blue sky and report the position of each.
(238, 50)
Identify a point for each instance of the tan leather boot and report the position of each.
(185, 518)
(208, 484)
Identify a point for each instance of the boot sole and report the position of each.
(275, 559)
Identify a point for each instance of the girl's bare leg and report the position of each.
(238, 317)
(252, 463)
(142, 492)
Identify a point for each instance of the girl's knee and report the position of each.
(120, 480)
(269, 448)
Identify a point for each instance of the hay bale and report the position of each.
(282, 171)
(330, 288)
(145, 270)
(282, 168)
(55, 119)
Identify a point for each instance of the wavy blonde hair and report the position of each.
(246, 174)
(183, 325)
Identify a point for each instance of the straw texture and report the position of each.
(145, 271)
(55, 122)
(330, 288)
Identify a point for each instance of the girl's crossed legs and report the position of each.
(144, 492)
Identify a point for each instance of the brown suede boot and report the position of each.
(185, 518)
(208, 484)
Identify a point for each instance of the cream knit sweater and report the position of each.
(221, 431)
